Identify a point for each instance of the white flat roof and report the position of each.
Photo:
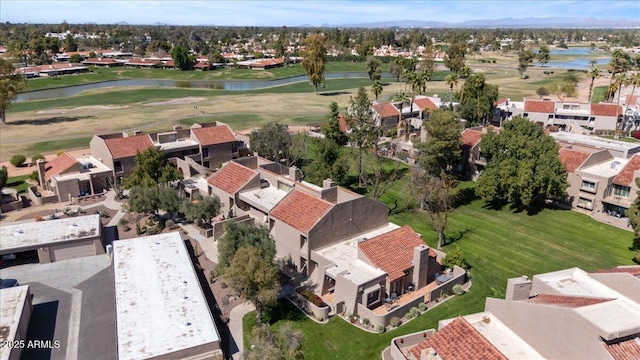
(41, 233)
(609, 168)
(178, 144)
(593, 141)
(266, 198)
(344, 256)
(500, 336)
(11, 307)
(160, 307)
(615, 318)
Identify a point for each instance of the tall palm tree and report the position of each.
(634, 81)
(376, 88)
(593, 63)
(10, 84)
(617, 83)
(593, 74)
(400, 97)
(451, 80)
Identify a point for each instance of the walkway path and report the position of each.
(235, 329)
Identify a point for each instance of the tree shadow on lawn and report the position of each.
(458, 235)
(534, 209)
(283, 310)
(335, 93)
(49, 121)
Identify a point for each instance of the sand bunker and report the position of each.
(181, 101)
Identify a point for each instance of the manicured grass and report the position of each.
(58, 145)
(498, 244)
(599, 93)
(18, 182)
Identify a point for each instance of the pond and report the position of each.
(582, 64)
(230, 85)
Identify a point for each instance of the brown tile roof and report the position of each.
(301, 210)
(386, 110)
(232, 177)
(393, 251)
(631, 100)
(213, 135)
(59, 165)
(606, 109)
(471, 137)
(128, 146)
(459, 340)
(633, 270)
(572, 159)
(566, 301)
(628, 349)
(539, 106)
(625, 177)
(425, 103)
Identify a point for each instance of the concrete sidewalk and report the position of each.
(235, 329)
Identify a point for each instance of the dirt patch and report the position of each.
(181, 101)
(81, 108)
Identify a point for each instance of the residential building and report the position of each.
(473, 163)
(161, 310)
(570, 116)
(597, 315)
(54, 240)
(415, 110)
(15, 313)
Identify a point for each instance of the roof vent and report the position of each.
(187, 323)
(525, 277)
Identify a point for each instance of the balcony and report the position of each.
(406, 298)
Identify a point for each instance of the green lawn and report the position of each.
(498, 244)
(58, 145)
(599, 93)
(18, 182)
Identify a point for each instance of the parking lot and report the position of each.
(70, 298)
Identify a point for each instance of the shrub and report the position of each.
(223, 285)
(309, 295)
(38, 218)
(124, 224)
(18, 160)
(153, 230)
(414, 312)
(455, 257)
(138, 229)
(380, 328)
(395, 321)
(34, 176)
(422, 307)
(365, 321)
(170, 224)
(457, 289)
(36, 157)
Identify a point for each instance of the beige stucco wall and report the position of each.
(100, 151)
(70, 250)
(287, 241)
(67, 188)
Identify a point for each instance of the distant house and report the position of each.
(143, 63)
(102, 62)
(118, 151)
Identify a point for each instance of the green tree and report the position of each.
(525, 59)
(543, 55)
(364, 132)
(477, 99)
(314, 58)
(593, 74)
(4, 176)
(144, 199)
(201, 208)
(331, 129)
(395, 67)
(70, 44)
(75, 58)
(18, 160)
(240, 235)
(274, 142)
(455, 257)
(376, 88)
(542, 92)
(181, 57)
(151, 169)
(10, 85)
(254, 278)
(522, 166)
(441, 152)
(454, 59)
(284, 344)
(372, 66)
(437, 194)
(36, 157)
(168, 198)
(328, 162)
(451, 80)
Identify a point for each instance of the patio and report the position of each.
(406, 298)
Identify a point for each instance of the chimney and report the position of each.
(420, 265)
(177, 127)
(137, 132)
(328, 183)
(41, 171)
(518, 288)
(294, 174)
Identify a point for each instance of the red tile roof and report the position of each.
(633, 270)
(629, 349)
(606, 109)
(128, 146)
(539, 106)
(566, 301)
(232, 177)
(105, 61)
(393, 251)
(425, 103)
(386, 110)
(459, 340)
(301, 210)
(343, 123)
(625, 177)
(499, 102)
(147, 62)
(471, 137)
(213, 135)
(59, 165)
(631, 100)
(572, 159)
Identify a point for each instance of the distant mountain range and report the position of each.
(529, 22)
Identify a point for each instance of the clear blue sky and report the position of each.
(292, 13)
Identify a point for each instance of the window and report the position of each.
(284, 187)
(589, 186)
(585, 203)
(205, 152)
(373, 297)
(117, 166)
(234, 147)
(525, 115)
(621, 191)
(303, 240)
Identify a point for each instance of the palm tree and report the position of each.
(633, 80)
(451, 80)
(10, 84)
(617, 83)
(400, 97)
(376, 88)
(593, 74)
(593, 63)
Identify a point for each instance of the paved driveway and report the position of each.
(73, 304)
